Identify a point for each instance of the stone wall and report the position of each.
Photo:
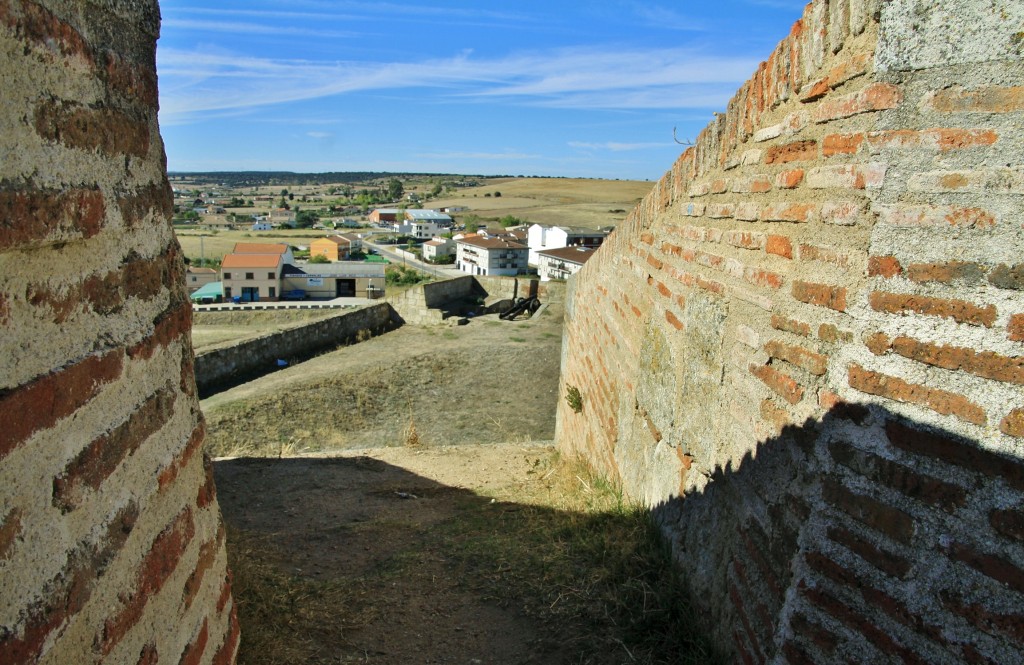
(111, 543)
(804, 348)
(434, 301)
(259, 356)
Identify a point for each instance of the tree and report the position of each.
(436, 191)
(305, 218)
(472, 223)
(395, 189)
(497, 195)
(509, 220)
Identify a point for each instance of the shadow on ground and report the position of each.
(357, 560)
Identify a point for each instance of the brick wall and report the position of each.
(805, 348)
(111, 543)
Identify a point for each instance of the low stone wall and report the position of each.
(432, 303)
(226, 366)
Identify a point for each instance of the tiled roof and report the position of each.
(251, 261)
(492, 243)
(573, 254)
(337, 240)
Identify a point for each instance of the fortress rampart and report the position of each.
(111, 542)
(804, 348)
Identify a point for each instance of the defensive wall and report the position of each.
(804, 348)
(111, 542)
(234, 363)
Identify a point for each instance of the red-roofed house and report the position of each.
(252, 277)
(336, 247)
(265, 248)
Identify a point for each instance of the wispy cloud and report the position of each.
(614, 146)
(194, 81)
(240, 28)
(320, 135)
(349, 12)
(663, 17)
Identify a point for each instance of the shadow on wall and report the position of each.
(861, 537)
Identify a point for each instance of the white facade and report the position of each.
(562, 263)
(491, 256)
(419, 230)
(541, 238)
(437, 248)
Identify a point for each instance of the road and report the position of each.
(387, 251)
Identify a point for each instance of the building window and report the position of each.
(271, 275)
(249, 275)
(227, 275)
(273, 292)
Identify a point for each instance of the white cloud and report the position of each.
(615, 146)
(320, 135)
(662, 17)
(235, 27)
(200, 81)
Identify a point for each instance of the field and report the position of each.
(214, 245)
(560, 201)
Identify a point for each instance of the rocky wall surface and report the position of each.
(805, 348)
(111, 543)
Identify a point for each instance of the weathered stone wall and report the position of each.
(804, 348)
(428, 303)
(258, 355)
(111, 543)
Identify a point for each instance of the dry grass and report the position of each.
(574, 553)
(287, 618)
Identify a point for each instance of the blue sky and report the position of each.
(578, 89)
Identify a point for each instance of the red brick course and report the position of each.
(41, 403)
(940, 401)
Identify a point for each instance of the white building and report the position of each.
(477, 255)
(420, 230)
(438, 247)
(563, 262)
(541, 237)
